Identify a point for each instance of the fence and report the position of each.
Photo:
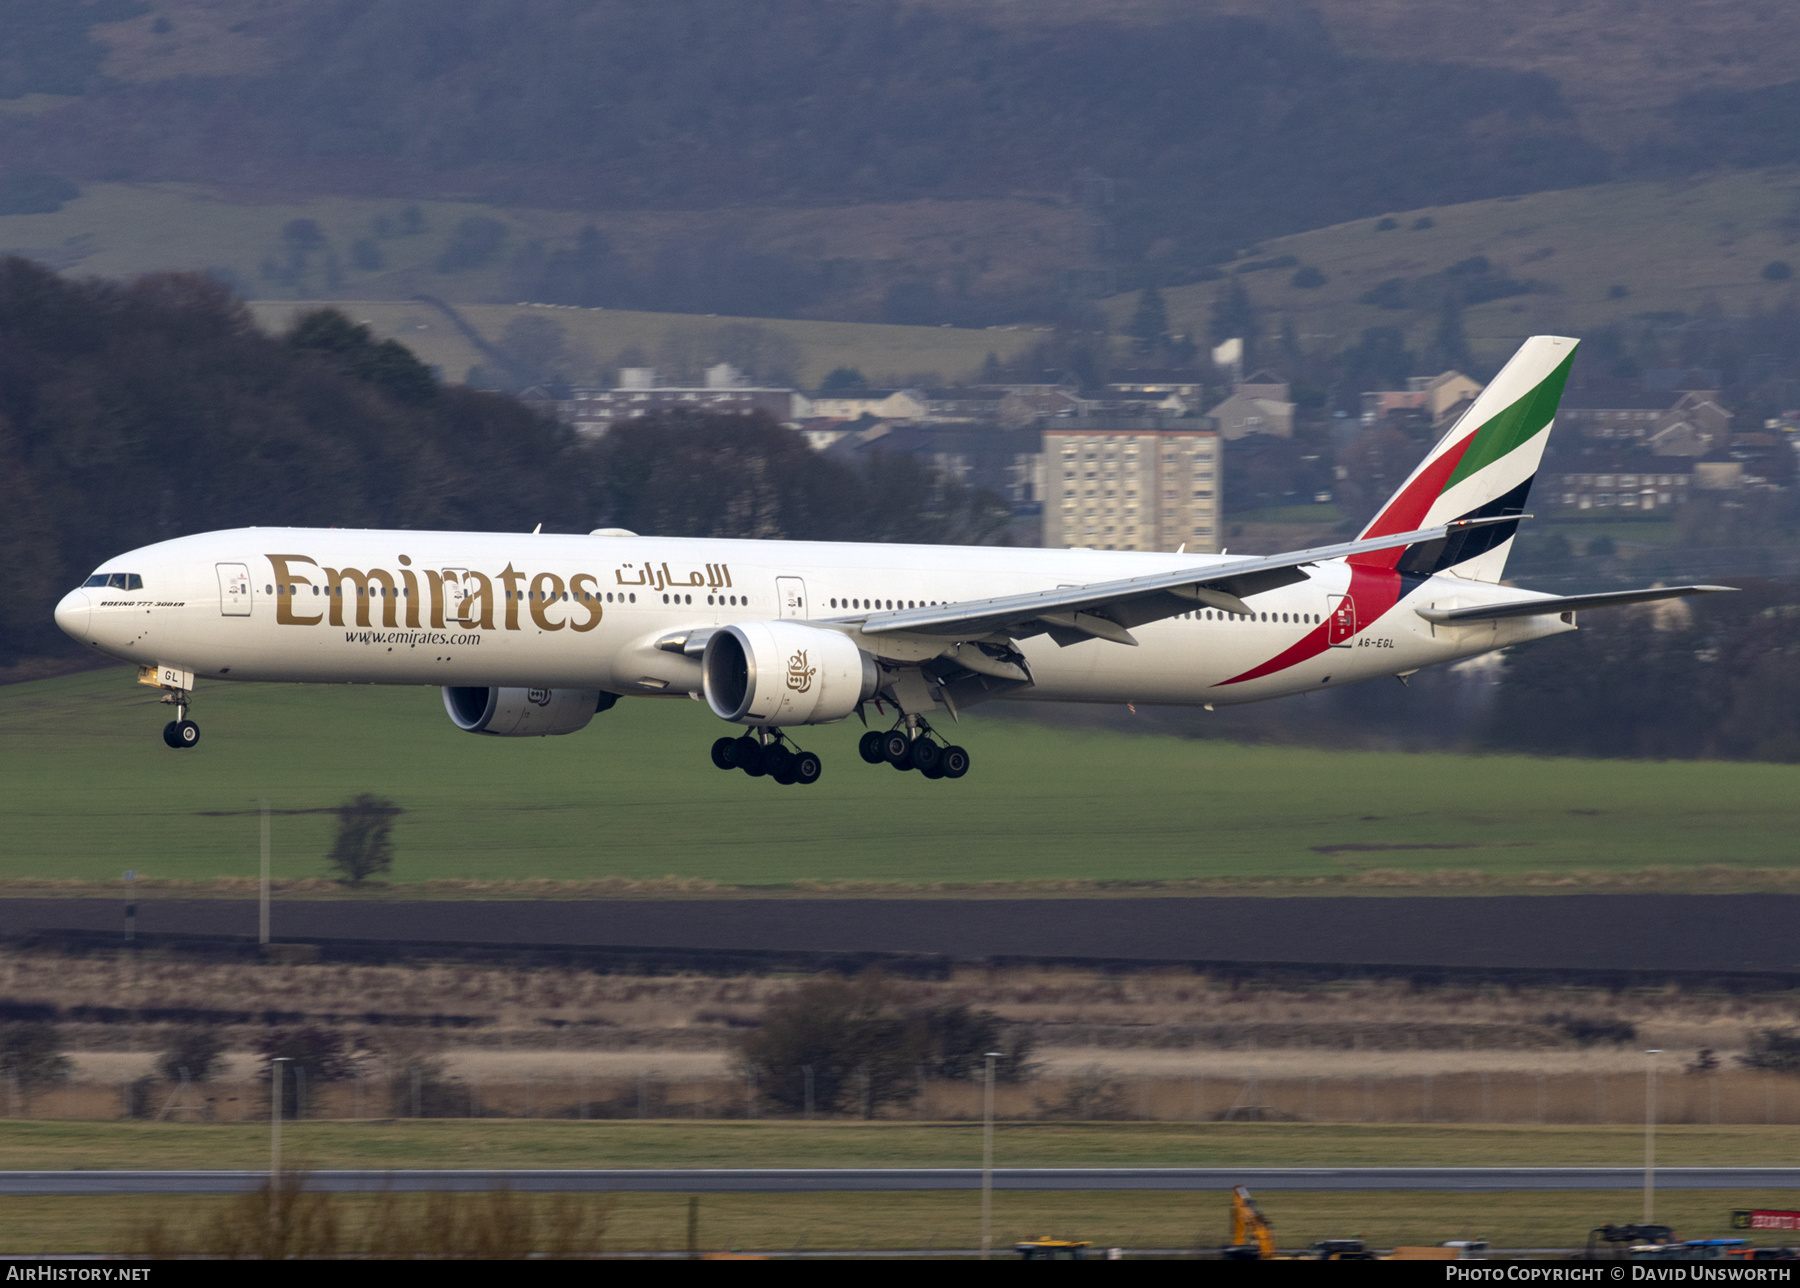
(1723, 1098)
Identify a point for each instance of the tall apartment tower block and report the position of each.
(1133, 483)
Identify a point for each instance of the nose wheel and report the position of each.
(180, 733)
(761, 756)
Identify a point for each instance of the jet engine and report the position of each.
(524, 713)
(784, 673)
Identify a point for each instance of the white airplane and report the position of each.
(534, 634)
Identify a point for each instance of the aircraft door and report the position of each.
(1340, 621)
(456, 592)
(790, 594)
(234, 590)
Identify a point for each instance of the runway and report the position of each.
(815, 1180)
(1677, 934)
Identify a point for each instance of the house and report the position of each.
(1187, 385)
(1258, 405)
(977, 406)
(593, 411)
(1020, 407)
(1692, 425)
(1436, 400)
(1623, 481)
(1133, 482)
(883, 404)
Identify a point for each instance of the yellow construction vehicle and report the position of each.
(1252, 1238)
(1053, 1249)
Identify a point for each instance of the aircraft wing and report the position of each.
(1109, 609)
(1562, 604)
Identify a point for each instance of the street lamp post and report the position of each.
(275, 1125)
(987, 1158)
(262, 925)
(1650, 1134)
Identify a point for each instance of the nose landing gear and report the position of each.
(180, 733)
(760, 758)
(913, 745)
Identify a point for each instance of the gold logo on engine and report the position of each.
(799, 674)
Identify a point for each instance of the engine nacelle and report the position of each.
(784, 673)
(524, 713)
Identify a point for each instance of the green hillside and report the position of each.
(118, 230)
(596, 336)
(92, 791)
(1673, 247)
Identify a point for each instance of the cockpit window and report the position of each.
(98, 579)
(115, 581)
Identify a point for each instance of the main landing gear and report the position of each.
(180, 733)
(761, 756)
(912, 746)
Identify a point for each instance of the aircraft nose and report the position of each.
(72, 614)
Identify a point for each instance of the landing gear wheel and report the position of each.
(953, 762)
(869, 746)
(807, 768)
(777, 761)
(721, 753)
(894, 748)
(936, 770)
(747, 755)
(924, 755)
(187, 733)
(169, 735)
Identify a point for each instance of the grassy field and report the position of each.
(438, 1142)
(871, 348)
(91, 790)
(1671, 247)
(116, 230)
(788, 1223)
(929, 1220)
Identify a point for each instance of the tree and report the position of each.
(387, 364)
(311, 1056)
(1234, 317)
(364, 845)
(194, 1053)
(31, 1055)
(1773, 1050)
(1450, 343)
(474, 242)
(1149, 324)
(536, 348)
(843, 380)
(957, 1041)
(846, 1043)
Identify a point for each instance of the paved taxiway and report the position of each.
(1682, 933)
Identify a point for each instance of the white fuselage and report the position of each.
(389, 607)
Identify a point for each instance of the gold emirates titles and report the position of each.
(472, 593)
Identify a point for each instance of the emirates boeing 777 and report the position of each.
(534, 634)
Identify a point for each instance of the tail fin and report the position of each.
(1483, 467)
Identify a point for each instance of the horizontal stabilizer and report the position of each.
(1561, 604)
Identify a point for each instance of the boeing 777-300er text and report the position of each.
(533, 634)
